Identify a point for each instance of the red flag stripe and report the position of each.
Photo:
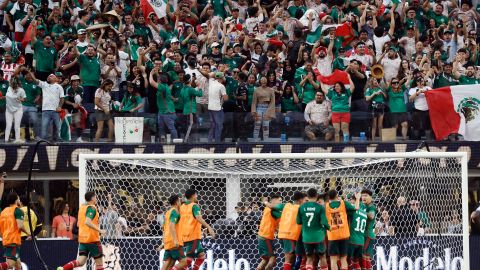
(445, 120)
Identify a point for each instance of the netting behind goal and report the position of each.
(419, 224)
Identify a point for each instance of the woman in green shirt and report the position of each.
(340, 95)
(289, 100)
(132, 101)
(376, 96)
(398, 109)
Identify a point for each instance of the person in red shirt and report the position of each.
(63, 224)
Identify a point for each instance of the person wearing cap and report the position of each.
(217, 95)
(64, 28)
(73, 102)
(420, 118)
(215, 53)
(450, 44)
(45, 54)
(52, 102)
(409, 41)
(340, 61)
(445, 78)
(323, 57)
(81, 41)
(391, 63)
(132, 101)
(165, 103)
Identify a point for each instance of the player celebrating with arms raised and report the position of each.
(266, 234)
(88, 235)
(288, 229)
(339, 232)
(191, 223)
(370, 231)
(11, 226)
(172, 240)
(311, 215)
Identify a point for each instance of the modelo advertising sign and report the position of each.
(427, 253)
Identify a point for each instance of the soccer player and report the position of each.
(172, 239)
(358, 223)
(288, 229)
(311, 215)
(339, 232)
(370, 230)
(266, 234)
(88, 235)
(11, 227)
(192, 222)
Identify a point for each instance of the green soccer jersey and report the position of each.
(378, 98)
(314, 222)
(358, 226)
(174, 216)
(89, 70)
(370, 231)
(397, 100)
(467, 80)
(45, 57)
(188, 95)
(164, 99)
(32, 91)
(340, 102)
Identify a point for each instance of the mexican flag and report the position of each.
(159, 7)
(455, 109)
(336, 76)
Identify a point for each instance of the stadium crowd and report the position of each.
(249, 67)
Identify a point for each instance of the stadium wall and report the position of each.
(64, 157)
(392, 254)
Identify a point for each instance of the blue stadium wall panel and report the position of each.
(64, 157)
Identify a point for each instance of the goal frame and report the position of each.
(463, 156)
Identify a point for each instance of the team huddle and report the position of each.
(310, 228)
(314, 226)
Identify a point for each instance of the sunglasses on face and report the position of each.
(394, 82)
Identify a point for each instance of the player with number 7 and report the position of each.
(311, 215)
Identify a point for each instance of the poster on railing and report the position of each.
(128, 129)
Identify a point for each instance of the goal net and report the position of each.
(420, 197)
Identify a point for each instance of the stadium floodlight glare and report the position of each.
(132, 190)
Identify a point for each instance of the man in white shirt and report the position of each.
(217, 94)
(52, 102)
(379, 39)
(421, 119)
(318, 114)
(391, 64)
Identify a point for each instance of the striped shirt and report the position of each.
(8, 70)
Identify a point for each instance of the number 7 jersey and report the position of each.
(311, 216)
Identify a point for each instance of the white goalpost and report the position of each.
(422, 219)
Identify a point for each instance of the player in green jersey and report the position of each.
(314, 224)
(371, 211)
(358, 224)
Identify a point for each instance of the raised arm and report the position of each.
(391, 31)
(153, 83)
